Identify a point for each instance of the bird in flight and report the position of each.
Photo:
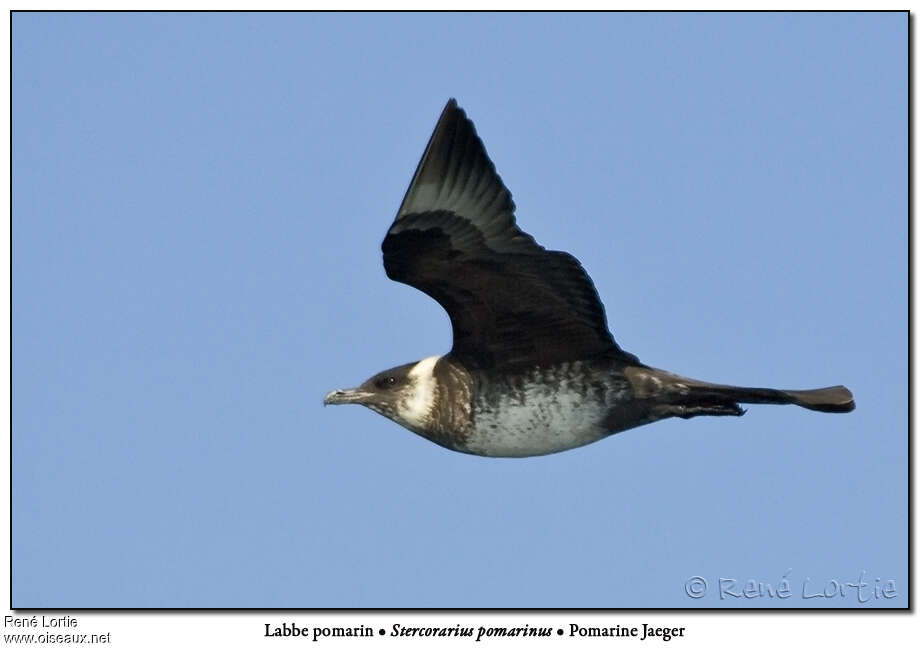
(533, 369)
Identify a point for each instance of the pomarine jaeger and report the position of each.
(533, 369)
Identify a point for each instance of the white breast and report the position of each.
(537, 421)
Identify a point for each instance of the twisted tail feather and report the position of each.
(673, 395)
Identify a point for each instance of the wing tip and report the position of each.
(450, 107)
(451, 113)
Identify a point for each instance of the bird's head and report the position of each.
(406, 394)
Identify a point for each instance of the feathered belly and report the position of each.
(539, 418)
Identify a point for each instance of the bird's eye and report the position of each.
(386, 382)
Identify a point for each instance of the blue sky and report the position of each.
(198, 204)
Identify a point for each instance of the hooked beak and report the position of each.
(351, 395)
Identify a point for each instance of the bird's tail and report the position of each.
(836, 398)
(685, 397)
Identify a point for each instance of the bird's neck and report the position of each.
(438, 408)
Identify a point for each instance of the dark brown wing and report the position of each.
(511, 302)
